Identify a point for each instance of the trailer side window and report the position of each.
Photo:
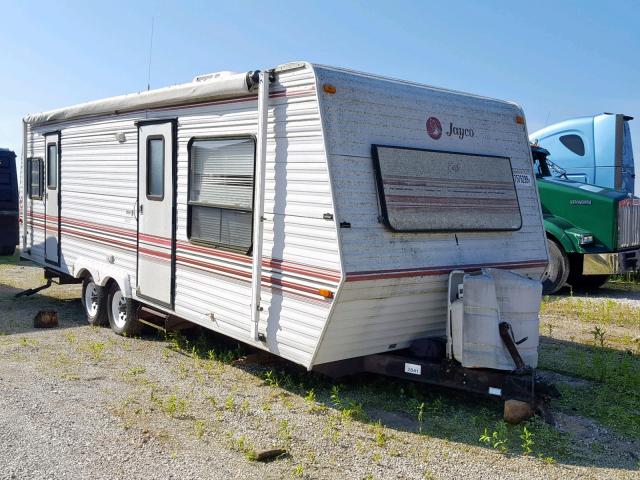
(52, 166)
(435, 191)
(220, 207)
(155, 168)
(34, 173)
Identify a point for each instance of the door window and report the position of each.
(155, 168)
(52, 166)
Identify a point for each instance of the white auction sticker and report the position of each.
(413, 368)
(522, 179)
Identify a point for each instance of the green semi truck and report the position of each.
(592, 232)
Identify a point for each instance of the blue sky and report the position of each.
(556, 59)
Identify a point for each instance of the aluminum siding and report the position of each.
(99, 189)
(383, 305)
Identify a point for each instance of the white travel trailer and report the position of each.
(310, 211)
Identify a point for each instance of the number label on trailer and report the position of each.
(413, 369)
(522, 179)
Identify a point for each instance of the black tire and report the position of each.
(122, 312)
(7, 251)
(94, 301)
(557, 271)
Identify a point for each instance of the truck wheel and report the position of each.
(94, 301)
(123, 316)
(588, 282)
(558, 270)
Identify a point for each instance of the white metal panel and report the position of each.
(395, 289)
(155, 211)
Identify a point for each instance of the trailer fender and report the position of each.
(102, 273)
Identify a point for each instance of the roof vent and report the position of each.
(214, 75)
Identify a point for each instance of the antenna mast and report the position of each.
(150, 50)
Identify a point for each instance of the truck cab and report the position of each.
(595, 149)
(592, 232)
(8, 202)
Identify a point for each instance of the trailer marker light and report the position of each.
(520, 120)
(328, 88)
(325, 293)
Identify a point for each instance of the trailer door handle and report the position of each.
(141, 209)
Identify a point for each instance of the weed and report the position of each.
(199, 428)
(243, 446)
(298, 471)
(350, 409)
(527, 441)
(174, 406)
(284, 432)
(271, 379)
(498, 438)
(598, 336)
(420, 416)
(380, 438)
(96, 350)
(229, 403)
(71, 338)
(133, 371)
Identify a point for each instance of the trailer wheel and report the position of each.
(122, 311)
(94, 301)
(557, 271)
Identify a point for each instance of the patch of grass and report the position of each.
(592, 311)
(199, 428)
(94, 349)
(612, 394)
(284, 432)
(242, 445)
(174, 406)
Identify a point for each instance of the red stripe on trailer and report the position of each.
(431, 271)
(273, 263)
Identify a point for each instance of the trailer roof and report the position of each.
(203, 88)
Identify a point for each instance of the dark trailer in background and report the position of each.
(8, 202)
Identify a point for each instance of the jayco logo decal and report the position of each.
(434, 128)
(459, 132)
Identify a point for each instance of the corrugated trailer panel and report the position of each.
(302, 243)
(387, 300)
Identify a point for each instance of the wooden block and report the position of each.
(46, 319)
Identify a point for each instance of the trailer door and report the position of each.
(52, 199)
(156, 211)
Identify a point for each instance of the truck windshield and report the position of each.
(431, 191)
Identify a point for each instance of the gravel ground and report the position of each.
(80, 402)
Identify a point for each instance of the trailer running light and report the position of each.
(325, 293)
(328, 88)
(586, 239)
(520, 120)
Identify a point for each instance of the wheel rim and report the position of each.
(119, 309)
(91, 299)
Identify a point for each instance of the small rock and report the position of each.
(46, 319)
(265, 455)
(516, 411)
